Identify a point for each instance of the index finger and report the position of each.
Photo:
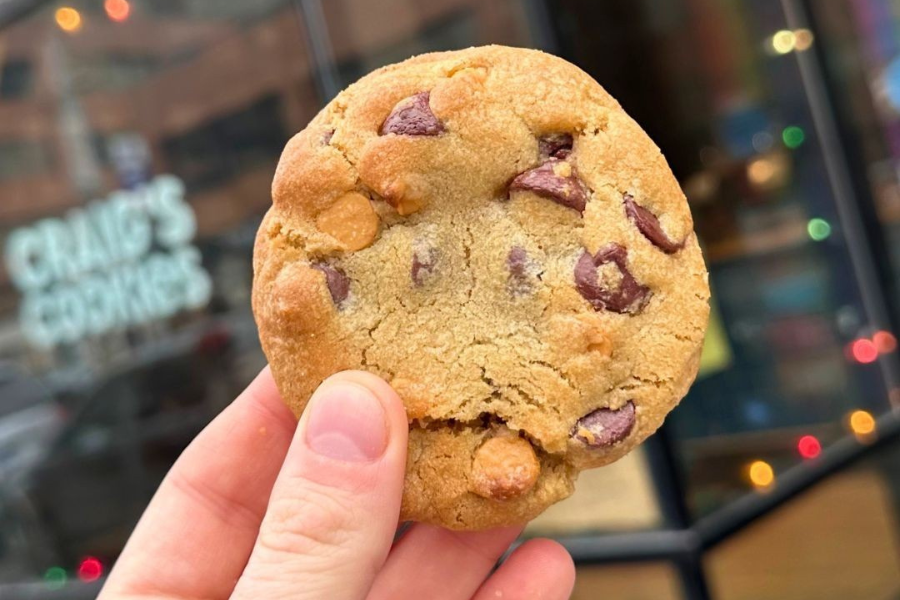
(197, 533)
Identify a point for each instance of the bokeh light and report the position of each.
(884, 341)
(864, 351)
(803, 39)
(818, 229)
(117, 10)
(761, 474)
(55, 578)
(68, 19)
(793, 136)
(761, 171)
(784, 41)
(862, 422)
(90, 569)
(809, 447)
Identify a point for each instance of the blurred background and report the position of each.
(138, 139)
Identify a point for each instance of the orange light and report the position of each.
(809, 447)
(117, 10)
(864, 351)
(884, 342)
(761, 474)
(862, 422)
(68, 19)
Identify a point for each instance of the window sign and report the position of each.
(117, 262)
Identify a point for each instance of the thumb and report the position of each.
(335, 505)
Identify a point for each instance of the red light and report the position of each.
(117, 10)
(864, 351)
(90, 569)
(809, 447)
(884, 342)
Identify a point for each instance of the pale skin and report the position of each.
(259, 506)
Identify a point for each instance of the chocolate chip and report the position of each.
(555, 180)
(628, 297)
(338, 283)
(520, 272)
(326, 137)
(648, 224)
(412, 116)
(423, 264)
(555, 145)
(604, 427)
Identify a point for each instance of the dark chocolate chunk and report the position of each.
(326, 137)
(629, 297)
(555, 180)
(412, 116)
(338, 283)
(605, 427)
(648, 224)
(424, 263)
(556, 145)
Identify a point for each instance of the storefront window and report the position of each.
(138, 140)
(137, 147)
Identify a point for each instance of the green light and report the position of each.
(793, 136)
(818, 229)
(55, 578)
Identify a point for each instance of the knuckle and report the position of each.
(309, 519)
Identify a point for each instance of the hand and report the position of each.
(260, 507)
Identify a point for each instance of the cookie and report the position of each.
(491, 233)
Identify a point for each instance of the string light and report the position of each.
(818, 229)
(809, 447)
(803, 39)
(55, 578)
(117, 10)
(90, 569)
(864, 351)
(784, 41)
(761, 171)
(68, 19)
(793, 136)
(884, 341)
(761, 474)
(862, 422)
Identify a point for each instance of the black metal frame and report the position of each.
(684, 541)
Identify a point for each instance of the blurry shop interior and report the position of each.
(123, 333)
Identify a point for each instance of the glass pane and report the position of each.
(367, 35)
(861, 47)
(652, 581)
(618, 497)
(716, 84)
(138, 141)
(838, 541)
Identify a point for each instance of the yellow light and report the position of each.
(784, 41)
(803, 39)
(68, 19)
(761, 170)
(862, 422)
(761, 474)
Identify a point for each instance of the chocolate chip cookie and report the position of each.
(492, 234)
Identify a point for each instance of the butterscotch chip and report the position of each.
(504, 467)
(489, 232)
(351, 220)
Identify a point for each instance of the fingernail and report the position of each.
(346, 422)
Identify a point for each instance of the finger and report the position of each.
(537, 569)
(334, 507)
(195, 536)
(435, 563)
